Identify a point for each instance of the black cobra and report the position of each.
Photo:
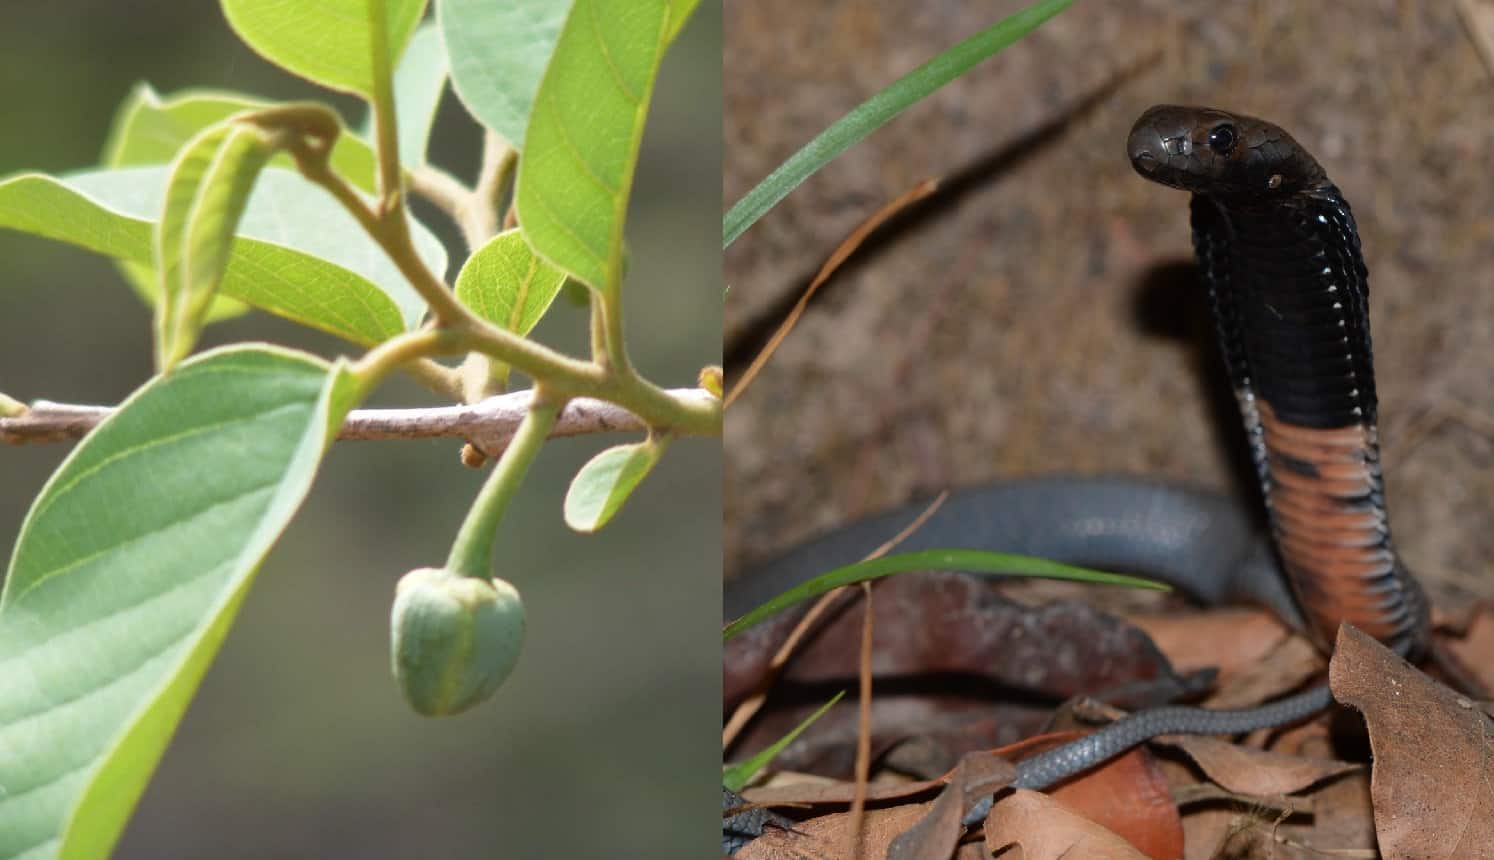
(1289, 293)
(1290, 297)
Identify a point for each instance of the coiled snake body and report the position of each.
(1288, 290)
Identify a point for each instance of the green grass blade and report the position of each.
(877, 110)
(968, 560)
(735, 776)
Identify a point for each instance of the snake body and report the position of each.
(1289, 293)
(1288, 290)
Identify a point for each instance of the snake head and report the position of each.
(1209, 151)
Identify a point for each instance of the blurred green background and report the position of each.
(604, 741)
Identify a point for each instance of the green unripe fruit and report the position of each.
(455, 638)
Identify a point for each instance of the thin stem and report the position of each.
(435, 376)
(616, 351)
(472, 552)
(399, 351)
(442, 189)
(393, 235)
(386, 128)
(481, 217)
(598, 328)
(391, 232)
(473, 210)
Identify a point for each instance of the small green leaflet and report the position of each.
(606, 481)
(507, 285)
(205, 197)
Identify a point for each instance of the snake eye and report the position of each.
(1222, 139)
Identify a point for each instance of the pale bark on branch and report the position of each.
(488, 424)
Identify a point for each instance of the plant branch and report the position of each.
(473, 210)
(454, 329)
(437, 377)
(481, 217)
(568, 377)
(488, 424)
(442, 189)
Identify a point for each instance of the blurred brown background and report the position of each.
(604, 741)
(1041, 313)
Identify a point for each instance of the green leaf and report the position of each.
(127, 574)
(582, 141)
(418, 84)
(679, 15)
(498, 52)
(325, 41)
(288, 211)
(736, 776)
(151, 129)
(968, 560)
(355, 292)
(877, 110)
(507, 285)
(606, 481)
(205, 197)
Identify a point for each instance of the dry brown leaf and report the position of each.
(1282, 669)
(1340, 825)
(1228, 639)
(1433, 778)
(1304, 740)
(1251, 771)
(1478, 17)
(1342, 820)
(837, 792)
(1046, 829)
(824, 838)
(1129, 796)
(935, 835)
(1476, 648)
